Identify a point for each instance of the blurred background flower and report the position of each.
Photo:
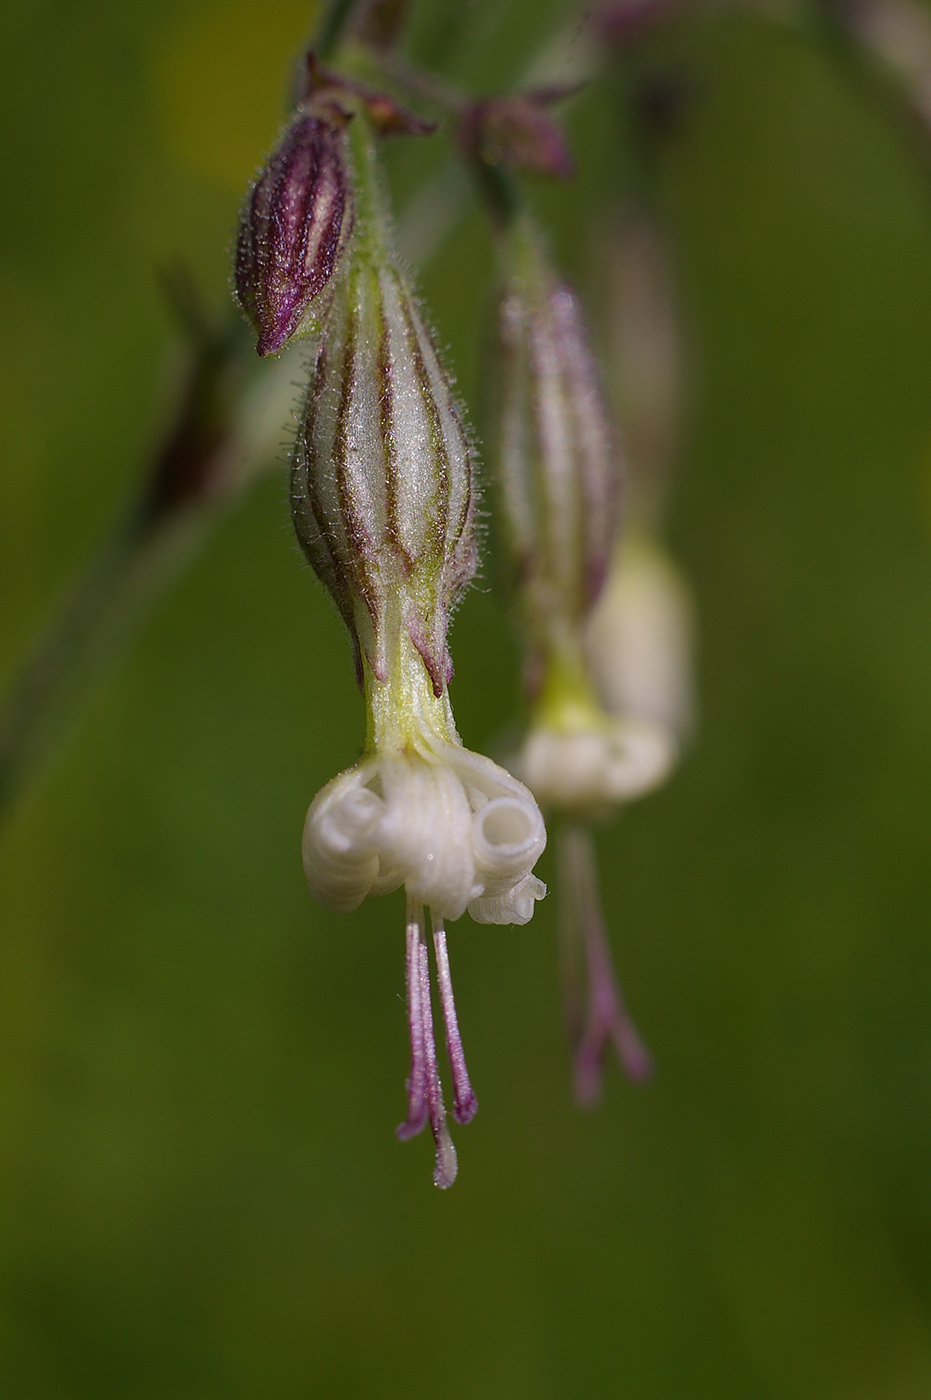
(202, 1195)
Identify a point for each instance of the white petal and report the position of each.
(338, 850)
(508, 838)
(511, 906)
(426, 832)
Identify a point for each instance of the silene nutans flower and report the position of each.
(383, 501)
(558, 467)
(559, 474)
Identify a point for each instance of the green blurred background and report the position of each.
(200, 1071)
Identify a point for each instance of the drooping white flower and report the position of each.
(560, 471)
(454, 829)
(621, 739)
(607, 762)
(383, 502)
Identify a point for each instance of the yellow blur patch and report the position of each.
(222, 82)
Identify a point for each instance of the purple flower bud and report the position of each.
(294, 229)
(557, 457)
(382, 488)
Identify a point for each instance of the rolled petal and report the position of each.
(340, 841)
(424, 836)
(508, 837)
(512, 905)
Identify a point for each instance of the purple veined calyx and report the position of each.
(294, 229)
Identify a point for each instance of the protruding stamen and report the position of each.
(417, 1106)
(608, 1018)
(465, 1104)
(444, 1173)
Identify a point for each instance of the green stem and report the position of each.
(402, 711)
(871, 73)
(162, 528)
(371, 206)
(333, 26)
(499, 192)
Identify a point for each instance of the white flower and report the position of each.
(453, 828)
(458, 833)
(620, 740)
(607, 762)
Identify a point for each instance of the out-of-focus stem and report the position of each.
(222, 435)
(333, 26)
(99, 613)
(882, 46)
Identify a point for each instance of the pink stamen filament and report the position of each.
(465, 1104)
(417, 1108)
(608, 1019)
(424, 1091)
(444, 1173)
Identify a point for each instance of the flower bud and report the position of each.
(294, 229)
(382, 490)
(558, 462)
